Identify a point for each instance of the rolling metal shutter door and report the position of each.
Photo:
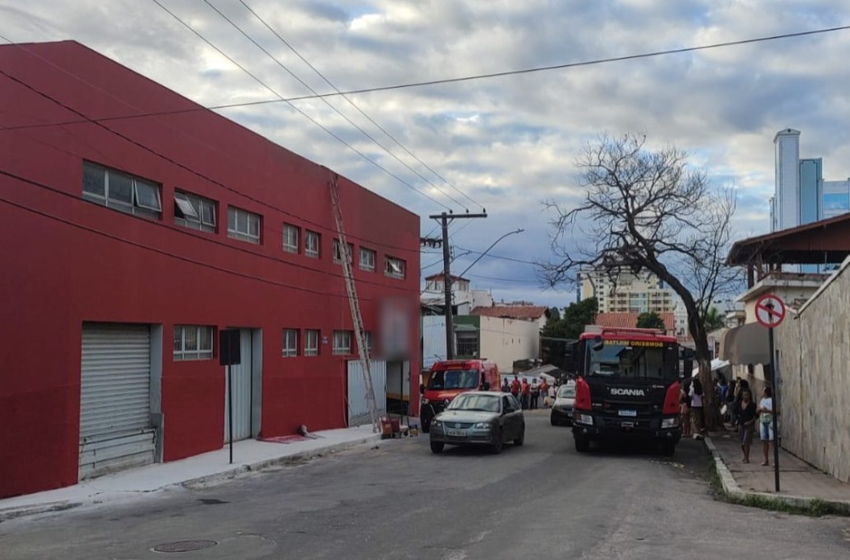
(358, 405)
(115, 416)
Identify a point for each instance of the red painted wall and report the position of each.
(64, 261)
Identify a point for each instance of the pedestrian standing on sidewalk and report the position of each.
(685, 413)
(535, 394)
(747, 422)
(544, 391)
(696, 407)
(515, 387)
(765, 410)
(525, 394)
(505, 387)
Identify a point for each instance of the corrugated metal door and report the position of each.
(115, 397)
(358, 406)
(242, 398)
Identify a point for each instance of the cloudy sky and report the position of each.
(504, 143)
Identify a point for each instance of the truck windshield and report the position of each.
(633, 360)
(454, 379)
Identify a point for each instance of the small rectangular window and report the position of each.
(194, 212)
(311, 342)
(291, 238)
(338, 254)
(394, 268)
(193, 342)
(290, 342)
(243, 225)
(342, 343)
(367, 259)
(312, 243)
(121, 191)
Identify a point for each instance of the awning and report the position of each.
(464, 327)
(716, 364)
(746, 345)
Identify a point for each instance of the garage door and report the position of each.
(115, 410)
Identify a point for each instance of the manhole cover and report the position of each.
(184, 546)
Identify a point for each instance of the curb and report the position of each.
(732, 490)
(9, 514)
(260, 465)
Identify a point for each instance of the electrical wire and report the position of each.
(195, 172)
(350, 102)
(308, 117)
(472, 77)
(492, 256)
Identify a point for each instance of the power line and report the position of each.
(328, 103)
(191, 170)
(512, 280)
(492, 256)
(408, 85)
(289, 102)
(350, 102)
(198, 235)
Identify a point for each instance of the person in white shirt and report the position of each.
(696, 407)
(765, 411)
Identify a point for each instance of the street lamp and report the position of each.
(450, 351)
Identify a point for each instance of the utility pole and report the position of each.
(445, 220)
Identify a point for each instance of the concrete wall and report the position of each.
(815, 381)
(506, 340)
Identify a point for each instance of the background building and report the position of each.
(627, 292)
(801, 196)
(131, 243)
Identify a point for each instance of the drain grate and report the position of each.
(184, 546)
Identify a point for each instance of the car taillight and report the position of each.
(671, 400)
(582, 401)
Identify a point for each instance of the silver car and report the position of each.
(563, 407)
(479, 418)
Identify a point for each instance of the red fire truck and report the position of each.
(627, 387)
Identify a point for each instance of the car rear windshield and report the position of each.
(566, 391)
(454, 379)
(633, 360)
(486, 403)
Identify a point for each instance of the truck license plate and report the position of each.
(631, 413)
(456, 433)
(627, 425)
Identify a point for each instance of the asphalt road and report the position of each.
(542, 500)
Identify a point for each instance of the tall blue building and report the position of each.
(801, 195)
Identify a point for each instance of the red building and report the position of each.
(135, 226)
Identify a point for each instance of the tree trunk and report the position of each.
(710, 404)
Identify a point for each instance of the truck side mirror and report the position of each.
(421, 388)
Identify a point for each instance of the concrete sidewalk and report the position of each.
(799, 482)
(248, 456)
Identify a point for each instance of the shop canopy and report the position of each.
(746, 345)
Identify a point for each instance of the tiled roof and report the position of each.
(523, 312)
(629, 320)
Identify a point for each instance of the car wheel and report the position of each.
(582, 444)
(668, 448)
(437, 446)
(496, 447)
(521, 439)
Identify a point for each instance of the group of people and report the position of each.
(529, 393)
(738, 407)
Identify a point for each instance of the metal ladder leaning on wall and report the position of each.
(354, 303)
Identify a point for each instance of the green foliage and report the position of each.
(650, 320)
(566, 327)
(713, 320)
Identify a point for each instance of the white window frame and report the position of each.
(290, 343)
(247, 219)
(394, 268)
(311, 342)
(367, 259)
(182, 348)
(291, 238)
(367, 342)
(137, 205)
(192, 207)
(312, 244)
(342, 343)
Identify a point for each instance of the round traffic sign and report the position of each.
(770, 310)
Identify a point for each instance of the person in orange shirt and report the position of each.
(525, 394)
(515, 387)
(544, 390)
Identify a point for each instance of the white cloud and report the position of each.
(508, 142)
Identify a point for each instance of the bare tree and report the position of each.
(648, 210)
